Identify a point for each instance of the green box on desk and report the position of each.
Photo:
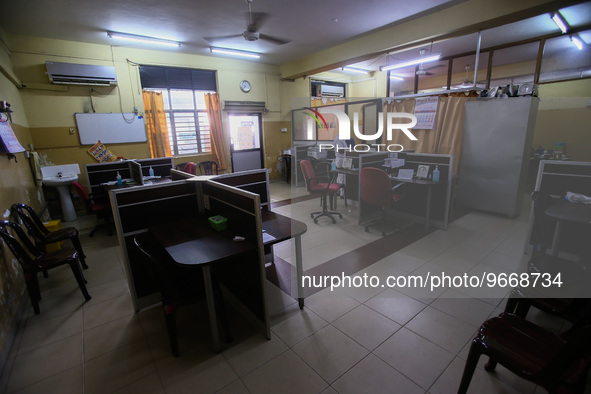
(218, 222)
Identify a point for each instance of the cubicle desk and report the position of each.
(359, 161)
(555, 178)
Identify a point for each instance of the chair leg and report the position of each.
(34, 291)
(490, 365)
(80, 279)
(471, 363)
(78, 247)
(170, 318)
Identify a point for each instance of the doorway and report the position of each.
(246, 135)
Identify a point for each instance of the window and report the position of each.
(183, 92)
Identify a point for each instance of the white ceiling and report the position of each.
(311, 25)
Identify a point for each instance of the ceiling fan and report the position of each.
(466, 83)
(425, 71)
(255, 21)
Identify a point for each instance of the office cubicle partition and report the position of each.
(555, 178)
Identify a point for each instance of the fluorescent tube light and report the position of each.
(411, 62)
(355, 70)
(143, 39)
(396, 77)
(558, 20)
(578, 43)
(234, 52)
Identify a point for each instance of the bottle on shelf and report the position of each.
(436, 174)
(119, 179)
(151, 171)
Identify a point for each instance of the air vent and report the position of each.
(244, 106)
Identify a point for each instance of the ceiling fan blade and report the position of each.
(221, 38)
(274, 40)
(256, 20)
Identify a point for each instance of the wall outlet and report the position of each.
(135, 110)
(72, 130)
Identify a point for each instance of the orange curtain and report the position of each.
(156, 124)
(446, 135)
(218, 148)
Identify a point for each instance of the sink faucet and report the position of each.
(59, 174)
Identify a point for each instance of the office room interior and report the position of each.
(499, 189)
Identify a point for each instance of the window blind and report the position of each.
(156, 77)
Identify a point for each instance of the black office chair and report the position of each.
(208, 167)
(377, 191)
(177, 285)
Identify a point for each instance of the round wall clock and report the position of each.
(245, 86)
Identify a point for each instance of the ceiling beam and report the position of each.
(462, 19)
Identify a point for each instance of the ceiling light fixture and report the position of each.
(411, 62)
(233, 52)
(578, 43)
(143, 39)
(355, 70)
(556, 17)
(396, 77)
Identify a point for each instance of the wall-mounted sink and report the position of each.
(61, 177)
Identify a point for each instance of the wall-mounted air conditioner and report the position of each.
(81, 74)
(244, 106)
(330, 91)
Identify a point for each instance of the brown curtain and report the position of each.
(218, 148)
(446, 135)
(156, 124)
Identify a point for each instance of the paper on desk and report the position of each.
(267, 237)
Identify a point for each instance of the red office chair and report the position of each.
(102, 210)
(377, 191)
(190, 168)
(34, 261)
(558, 363)
(42, 236)
(208, 167)
(321, 186)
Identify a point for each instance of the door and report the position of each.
(246, 135)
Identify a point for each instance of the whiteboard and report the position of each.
(110, 128)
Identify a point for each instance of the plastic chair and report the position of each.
(208, 168)
(557, 363)
(34, 261)
(321, 186)
(102, 210)
(42, 236)
(180, 166)
(177, 285)
(190, 168)
(377, 191)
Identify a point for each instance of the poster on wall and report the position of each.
(426, 111)
(8, 141)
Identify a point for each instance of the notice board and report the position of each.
(111, 128)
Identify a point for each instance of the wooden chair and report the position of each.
(208, 167)
(101, 210)
(557, 363)
(177, 285)
(42, 236)
(34, 261)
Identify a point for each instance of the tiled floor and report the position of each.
(357, 340)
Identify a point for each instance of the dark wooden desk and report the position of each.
(283, 228)
(564, 211)
(424, 182)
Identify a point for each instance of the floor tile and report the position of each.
(41, 333)
(112, 335)
(396, 306)
(330, 305)
(107, 311)
(444, 330)
(298, 327)
(150, 384)
(286, 373)
(330, 353)
(366, 326)
(373, 375)
(70, 381)
(415, 357)
(469, 310)
(253, 352)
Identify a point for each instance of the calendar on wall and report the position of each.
(426, 112)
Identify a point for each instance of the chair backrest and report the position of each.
(16, 247)
(190, 168)
(180, 166)
(81, 192)
(309, 175)
(208, 168)
(375, 187)
(32, 221)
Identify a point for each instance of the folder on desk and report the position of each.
(405, 174)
